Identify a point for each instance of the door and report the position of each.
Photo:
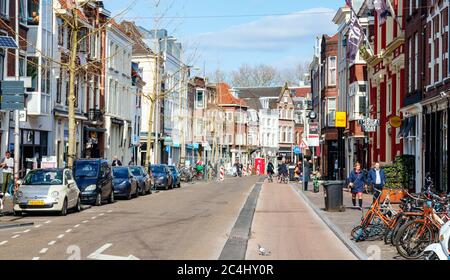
(72, 190)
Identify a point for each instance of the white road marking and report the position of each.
(3, 242)
(69, 230)
(48, 222)
(51, 243)
(109, 211)
(43, 251)
(37, 226)
(15, 236)
(86, 221)
(35, 258)
(93, 218)
(99, 256)
(27, 230)
(101, 214)
(76, 225)
(60, 236)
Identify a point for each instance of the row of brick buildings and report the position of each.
(401, 72)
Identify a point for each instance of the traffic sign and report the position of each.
(303, 145)
(297, 150)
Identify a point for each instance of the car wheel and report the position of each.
(149, 191)
(78, 206)
(98, 200)
(111, 197)
(167, 186)
(63, 211)
(138, 191)
(179, 185)
(129, 195)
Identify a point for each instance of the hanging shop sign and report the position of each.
(395, 121)
(341, 119)
(369, 125)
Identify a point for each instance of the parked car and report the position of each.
(143, 178)
(47, 190)
(176, 176)
(125, 184)
(94, 179)
(162, 176)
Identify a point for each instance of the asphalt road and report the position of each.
(192, 222)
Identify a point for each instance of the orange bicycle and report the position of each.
(375, 222)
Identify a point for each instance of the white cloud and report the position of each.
(272, 33)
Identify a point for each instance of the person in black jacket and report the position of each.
(116, 162)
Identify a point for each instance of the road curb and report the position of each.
(236, 246)
(6, 226)
(347, 242)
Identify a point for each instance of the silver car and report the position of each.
(52, 190)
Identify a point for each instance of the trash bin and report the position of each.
(333, 194)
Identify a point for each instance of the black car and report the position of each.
(125, 184)
(162, 176)
(143, 179)
(95, 181)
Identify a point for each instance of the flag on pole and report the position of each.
(382, 10)
(355, 36)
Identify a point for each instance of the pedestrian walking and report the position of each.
(357, 181)
(8, 168)
(377, 179)
(116, 162)
(306, 174)
(270, 171)
(298, 171)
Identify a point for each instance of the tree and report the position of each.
(250, 76)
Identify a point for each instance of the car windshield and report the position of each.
(120, 173)
(136, 171)
(86, 169)
(157, 169)
(44, 177)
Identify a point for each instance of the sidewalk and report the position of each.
(286, 226)
(346, 221)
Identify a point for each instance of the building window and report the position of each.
(200, 99)
(33, 12)
(60, 33)
(4, 8)
(45, 76)
(23, 11)
(2, 63)
(32, 71)
(22, 66)
(410, 65)
(416, 59)
(332, 71)
(389, 99)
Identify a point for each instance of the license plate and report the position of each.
(36, 202)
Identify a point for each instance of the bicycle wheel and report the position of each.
(412, 239)
(375, 232)
(359, 233)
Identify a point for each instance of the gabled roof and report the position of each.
(226, 98)
(70, 4)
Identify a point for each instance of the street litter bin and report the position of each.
(333, 194)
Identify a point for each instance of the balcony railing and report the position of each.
(95, 115)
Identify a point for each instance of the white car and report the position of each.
(52, 190)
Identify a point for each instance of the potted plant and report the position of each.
(399, 176)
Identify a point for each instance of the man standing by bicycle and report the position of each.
(377, 179)
(282, 172)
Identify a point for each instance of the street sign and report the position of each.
(369, 125)
(297, 150)
(168, 149)
(341, 119)
(12, 95)
(303, 145)
(313, 135)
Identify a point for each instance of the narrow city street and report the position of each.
(187, 223)
(193, 222)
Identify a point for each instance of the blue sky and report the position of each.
(278, 32)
